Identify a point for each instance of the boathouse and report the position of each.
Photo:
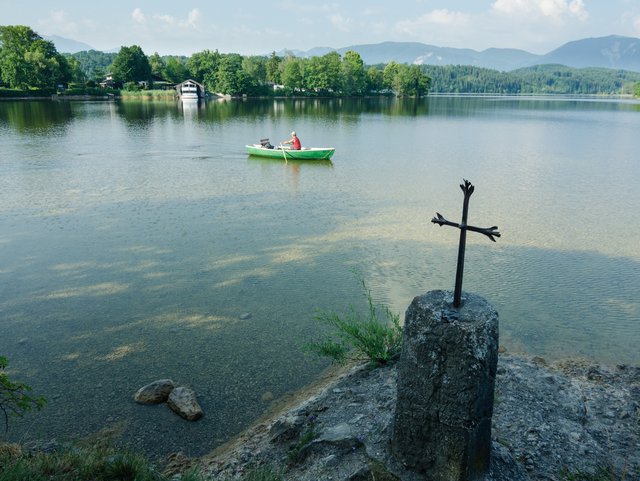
(190, 89)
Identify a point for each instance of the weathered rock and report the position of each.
(541, 429)
(155, 392)
(183, 401)
(287, 428)
(504, 467)
(339, 438)
(446, 378)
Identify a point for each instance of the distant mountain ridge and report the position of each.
(66, 45)
(613, 51)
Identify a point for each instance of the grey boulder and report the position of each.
(154, 393)
(183, 402)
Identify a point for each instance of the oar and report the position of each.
(283, 153)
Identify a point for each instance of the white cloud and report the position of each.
(446, 17)
(442, 17)
(138, 16)
(340, 22)
(556, 9)
(636, 25)
(577, 9)
(59, 21)
(192, 19)
(165, 20)
(370, 11)
(302, 8)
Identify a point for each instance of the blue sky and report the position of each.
(261, 26)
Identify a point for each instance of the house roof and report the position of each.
(192, 81)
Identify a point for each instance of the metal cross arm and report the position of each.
(490, 232)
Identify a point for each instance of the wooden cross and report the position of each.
(490, 232)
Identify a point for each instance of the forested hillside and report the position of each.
(540, 79)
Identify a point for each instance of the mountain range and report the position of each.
(614, 51)
(66, 45)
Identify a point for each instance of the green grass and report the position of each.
(309, 434)
(151, 94)
(97, 463)
(5, 92)
(376, 336)
(100, 462)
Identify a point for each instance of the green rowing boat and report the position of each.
(312, 153)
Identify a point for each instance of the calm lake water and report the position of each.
(135, 236)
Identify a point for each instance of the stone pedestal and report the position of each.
(446, 377)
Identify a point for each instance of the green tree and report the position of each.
(354, 77)
(15, 397)
(375, 80)
(322, 74)
(255, 70)
(27, 60)
(405, 80)
(46, 67)
(274, 74)
(637, 90)
(204, 68)
(333, 65)
(99, 73)
(176, 71)
(413, 81)
(77, 75)
(231, 78)
(157, 66)
(315, 76)
(292, 77)
(391, 77)
(131, 65)
(94, 63)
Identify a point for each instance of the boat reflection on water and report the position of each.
(294, 167)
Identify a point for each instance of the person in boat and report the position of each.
(294, 141)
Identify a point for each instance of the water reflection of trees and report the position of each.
(139, 112)
(36, 116)
(329, 108)
(41, 116)
(219, 110)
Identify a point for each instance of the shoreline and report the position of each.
(569, 416)
(105, 97)
(567, 420)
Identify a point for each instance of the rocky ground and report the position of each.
(563, 421)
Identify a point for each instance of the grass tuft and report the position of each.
(309, 434)
(376, 337)
(88, 463)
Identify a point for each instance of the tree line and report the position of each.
(27, 61)
(539, 79)
(234, 74)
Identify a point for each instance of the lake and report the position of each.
(138, 241)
